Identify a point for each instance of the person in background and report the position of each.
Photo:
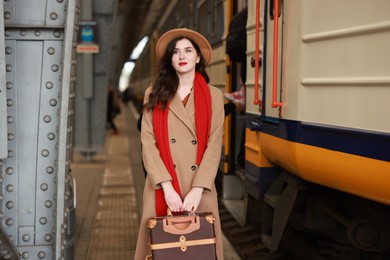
(237, 101)
(127, 95)
(181, 134)
(112, 111)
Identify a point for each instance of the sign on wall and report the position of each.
(87, 41)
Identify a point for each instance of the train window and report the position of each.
(191, 13)
(214, 13)
(203, 18)
(180, 15)
(217, 20)
(210, 20)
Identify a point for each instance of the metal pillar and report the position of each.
(3, 106)
(95, 74)
(40, 67)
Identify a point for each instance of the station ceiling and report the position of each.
(140, 18)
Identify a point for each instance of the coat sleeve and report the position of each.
(153, 163)
(208, 167)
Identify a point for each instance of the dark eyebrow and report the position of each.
(185, 48)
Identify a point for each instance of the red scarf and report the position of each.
(202, 100)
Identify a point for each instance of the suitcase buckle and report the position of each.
(183, 245)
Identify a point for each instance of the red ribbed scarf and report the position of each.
(202, 100)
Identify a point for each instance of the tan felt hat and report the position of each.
(166, 38)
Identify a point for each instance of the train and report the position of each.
(314, 132)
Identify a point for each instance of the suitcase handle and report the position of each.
(189, 213)
(179, 225)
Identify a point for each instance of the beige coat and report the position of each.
(181, 127)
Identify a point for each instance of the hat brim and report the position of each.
(200, 40)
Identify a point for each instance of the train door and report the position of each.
(233, 184)
(236, 49)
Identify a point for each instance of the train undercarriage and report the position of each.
(307, 221)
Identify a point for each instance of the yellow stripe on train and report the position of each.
(361, 176)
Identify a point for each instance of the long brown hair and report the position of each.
(166, 81)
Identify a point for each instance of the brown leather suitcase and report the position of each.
(184, 237)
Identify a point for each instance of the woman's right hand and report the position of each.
(172, 198)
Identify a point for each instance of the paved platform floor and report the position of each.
(109, 196)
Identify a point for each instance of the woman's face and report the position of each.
(184, 57)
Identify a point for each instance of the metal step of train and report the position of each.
(246, 239)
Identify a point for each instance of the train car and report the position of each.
(314, 129)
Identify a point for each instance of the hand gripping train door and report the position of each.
(184, 237)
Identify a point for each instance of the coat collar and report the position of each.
(184, 113)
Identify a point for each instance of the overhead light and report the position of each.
(139, 48)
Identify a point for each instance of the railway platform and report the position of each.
(109, 196)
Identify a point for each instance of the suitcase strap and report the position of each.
(183, 243)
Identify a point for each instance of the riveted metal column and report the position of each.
(91, 95)
(39, 90)
(3, 107)
(86, 60)
(113, 49)
(64, 225)
(84, 93)
(7, 248)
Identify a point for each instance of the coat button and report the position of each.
(193, 167)
(193, 142)
(173, 140)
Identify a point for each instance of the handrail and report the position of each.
(275, 56)
(256, 100)
(228, 88)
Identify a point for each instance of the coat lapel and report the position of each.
(184, 114)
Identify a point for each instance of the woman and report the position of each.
(181, 134)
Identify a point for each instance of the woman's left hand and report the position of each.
(192, 200)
